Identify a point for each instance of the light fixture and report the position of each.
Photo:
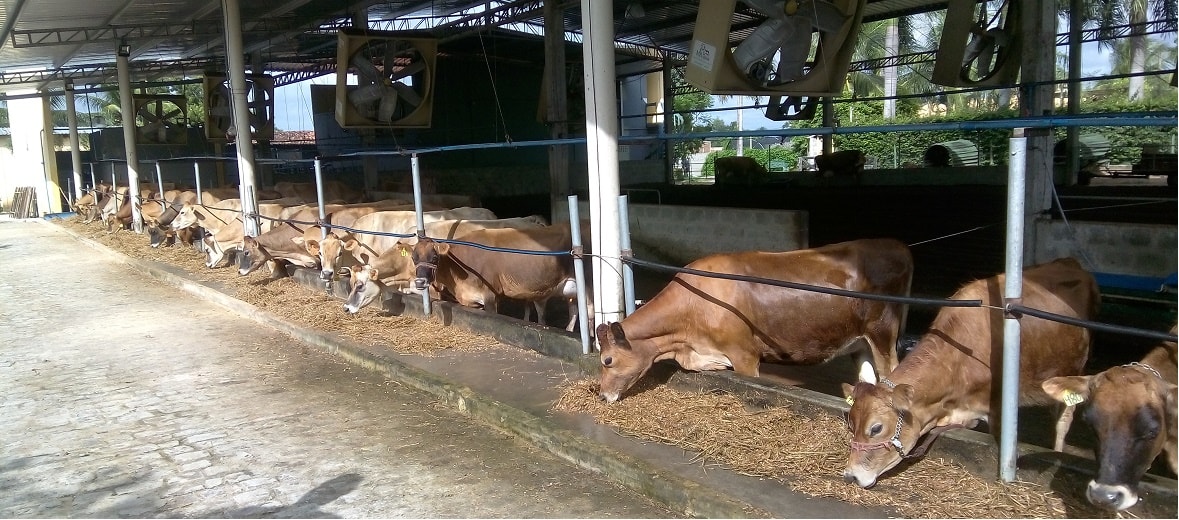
(69, 86)
(124, 49)
(634, 10)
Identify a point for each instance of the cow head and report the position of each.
(366, 288)
(1133, 412)
(882, 429)
(425, 255)
(329, 250)
(251, 257)
(622, 364)
(188, 215)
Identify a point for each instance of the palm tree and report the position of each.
(1107, 14)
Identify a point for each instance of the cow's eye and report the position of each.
(876, 429)
(606, 361)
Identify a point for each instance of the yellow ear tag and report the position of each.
(403, 253)
(1072, 398)
(850, 401)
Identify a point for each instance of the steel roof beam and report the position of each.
(10, 22)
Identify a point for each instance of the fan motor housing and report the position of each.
(414, 56)
(711, 66)
(218, 107)
(948, 67)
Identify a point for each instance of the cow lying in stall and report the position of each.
(947, 379)
(708, 323)
(1132, 408)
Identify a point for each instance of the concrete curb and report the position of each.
(976, 451)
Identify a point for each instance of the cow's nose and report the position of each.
(326, 275)
(419, 284)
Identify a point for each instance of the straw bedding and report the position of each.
(805, 452)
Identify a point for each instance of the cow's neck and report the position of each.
(649, 329)
(1162, 359)
(940, 386)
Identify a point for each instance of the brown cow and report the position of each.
(395, 267)
(840, 164)
(1132, 409)
(739, 170)
(344, 249)
(708, 323)
(947, 379)
(477, 277)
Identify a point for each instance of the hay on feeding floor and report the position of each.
(289, 300)
(807, 452)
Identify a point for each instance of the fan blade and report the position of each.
(366, 94)
(365, 69)
(173, 113)
(408, 70)
(387, 107)
(407, 94)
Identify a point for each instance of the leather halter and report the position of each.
(895, 442)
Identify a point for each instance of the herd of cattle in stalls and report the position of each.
(718, 313)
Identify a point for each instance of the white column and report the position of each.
(241, 113)
(127, 108)
(601, 123)
(75, 146)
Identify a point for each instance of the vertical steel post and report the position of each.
(415, 169)
(1012, 291)
(319, 196)
(579, 274)
(93, 182)
(160, 178)
(628, 272)
(196, 167)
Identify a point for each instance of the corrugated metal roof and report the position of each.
(48, 41)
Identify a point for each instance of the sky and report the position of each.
(292, 103)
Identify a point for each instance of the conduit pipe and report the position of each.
(416, 170)
(579, 273)
(1012, 292)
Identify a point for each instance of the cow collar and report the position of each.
(895, 442)
(1146, 367)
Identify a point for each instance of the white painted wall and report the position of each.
(31, 163)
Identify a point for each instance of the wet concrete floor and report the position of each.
(125, 397)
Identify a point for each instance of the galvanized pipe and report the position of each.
(579, 274)
(319, 196)
(160, 178)
(628, 271)
(1012, 291)
(196, 166)
(415, 169)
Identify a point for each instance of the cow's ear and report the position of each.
(848, 391)
(373, 273)
(1070, 390)
(902, 397)
(249, 240)
(197, 213)
(602, 332)
(351, 244)
(442, 247)
(618, 336)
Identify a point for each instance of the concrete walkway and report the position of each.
(126, 397)
(510, 390)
